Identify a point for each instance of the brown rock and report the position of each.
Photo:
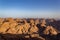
(1, 21)
(50, 30)
(37, 21)
(4, 27)
(17, 20)
(43, 21)
(20, 29)
(11, 20)
(34, 29)
(46, 31)
(27, 36)
(26, 27)
(53, 31)
(32, 22)
(12, 28)
(14, 24)
(12, 31)
(34, 35)
(43, 25)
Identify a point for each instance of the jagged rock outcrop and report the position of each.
(50, 30)
(24, 28)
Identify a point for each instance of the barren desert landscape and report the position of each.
(29, 29)
(29, 19)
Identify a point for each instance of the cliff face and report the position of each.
(29, 28)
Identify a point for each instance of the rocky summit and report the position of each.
(29, 29)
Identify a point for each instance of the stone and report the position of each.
(34, 35)
(4, 27)
(37, 21)
(32, 22)
(53, 31)
(20, 29)
(27, 36)
(50, 30)
(34, 29)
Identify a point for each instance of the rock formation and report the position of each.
(21, 28)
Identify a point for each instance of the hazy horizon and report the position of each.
(30, 8)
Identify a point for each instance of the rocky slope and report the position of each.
(29, 29)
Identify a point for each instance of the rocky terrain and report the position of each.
(29, 29)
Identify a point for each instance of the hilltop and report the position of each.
(30, 28)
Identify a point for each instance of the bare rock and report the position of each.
(1, 21)
(34, 35)
(20, 29)
(26, 27)
(50, 30)
(53, 31)
(43, 21)
(27, 36)
(34, 29)
(32, 22)
(11, 20)
(4, 27)
(37, 21)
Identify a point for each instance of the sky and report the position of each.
(30, 8)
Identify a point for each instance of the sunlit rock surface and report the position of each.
(29, 29)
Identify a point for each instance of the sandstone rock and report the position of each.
(11, 20)
(4, 27)
(13, 24)
(1, 21)
(50, 30)
(16, 28)
(12, 31)
(32, 22)
(20, 29)
(34, 29)
(37, 21)
(18, 20)
(26, 27)
(53, 31)
(41, 38)
(34, 35)
(27, 36)
(12, 28)
(43, 25)
(43, 21)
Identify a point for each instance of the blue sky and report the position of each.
(30, 8)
